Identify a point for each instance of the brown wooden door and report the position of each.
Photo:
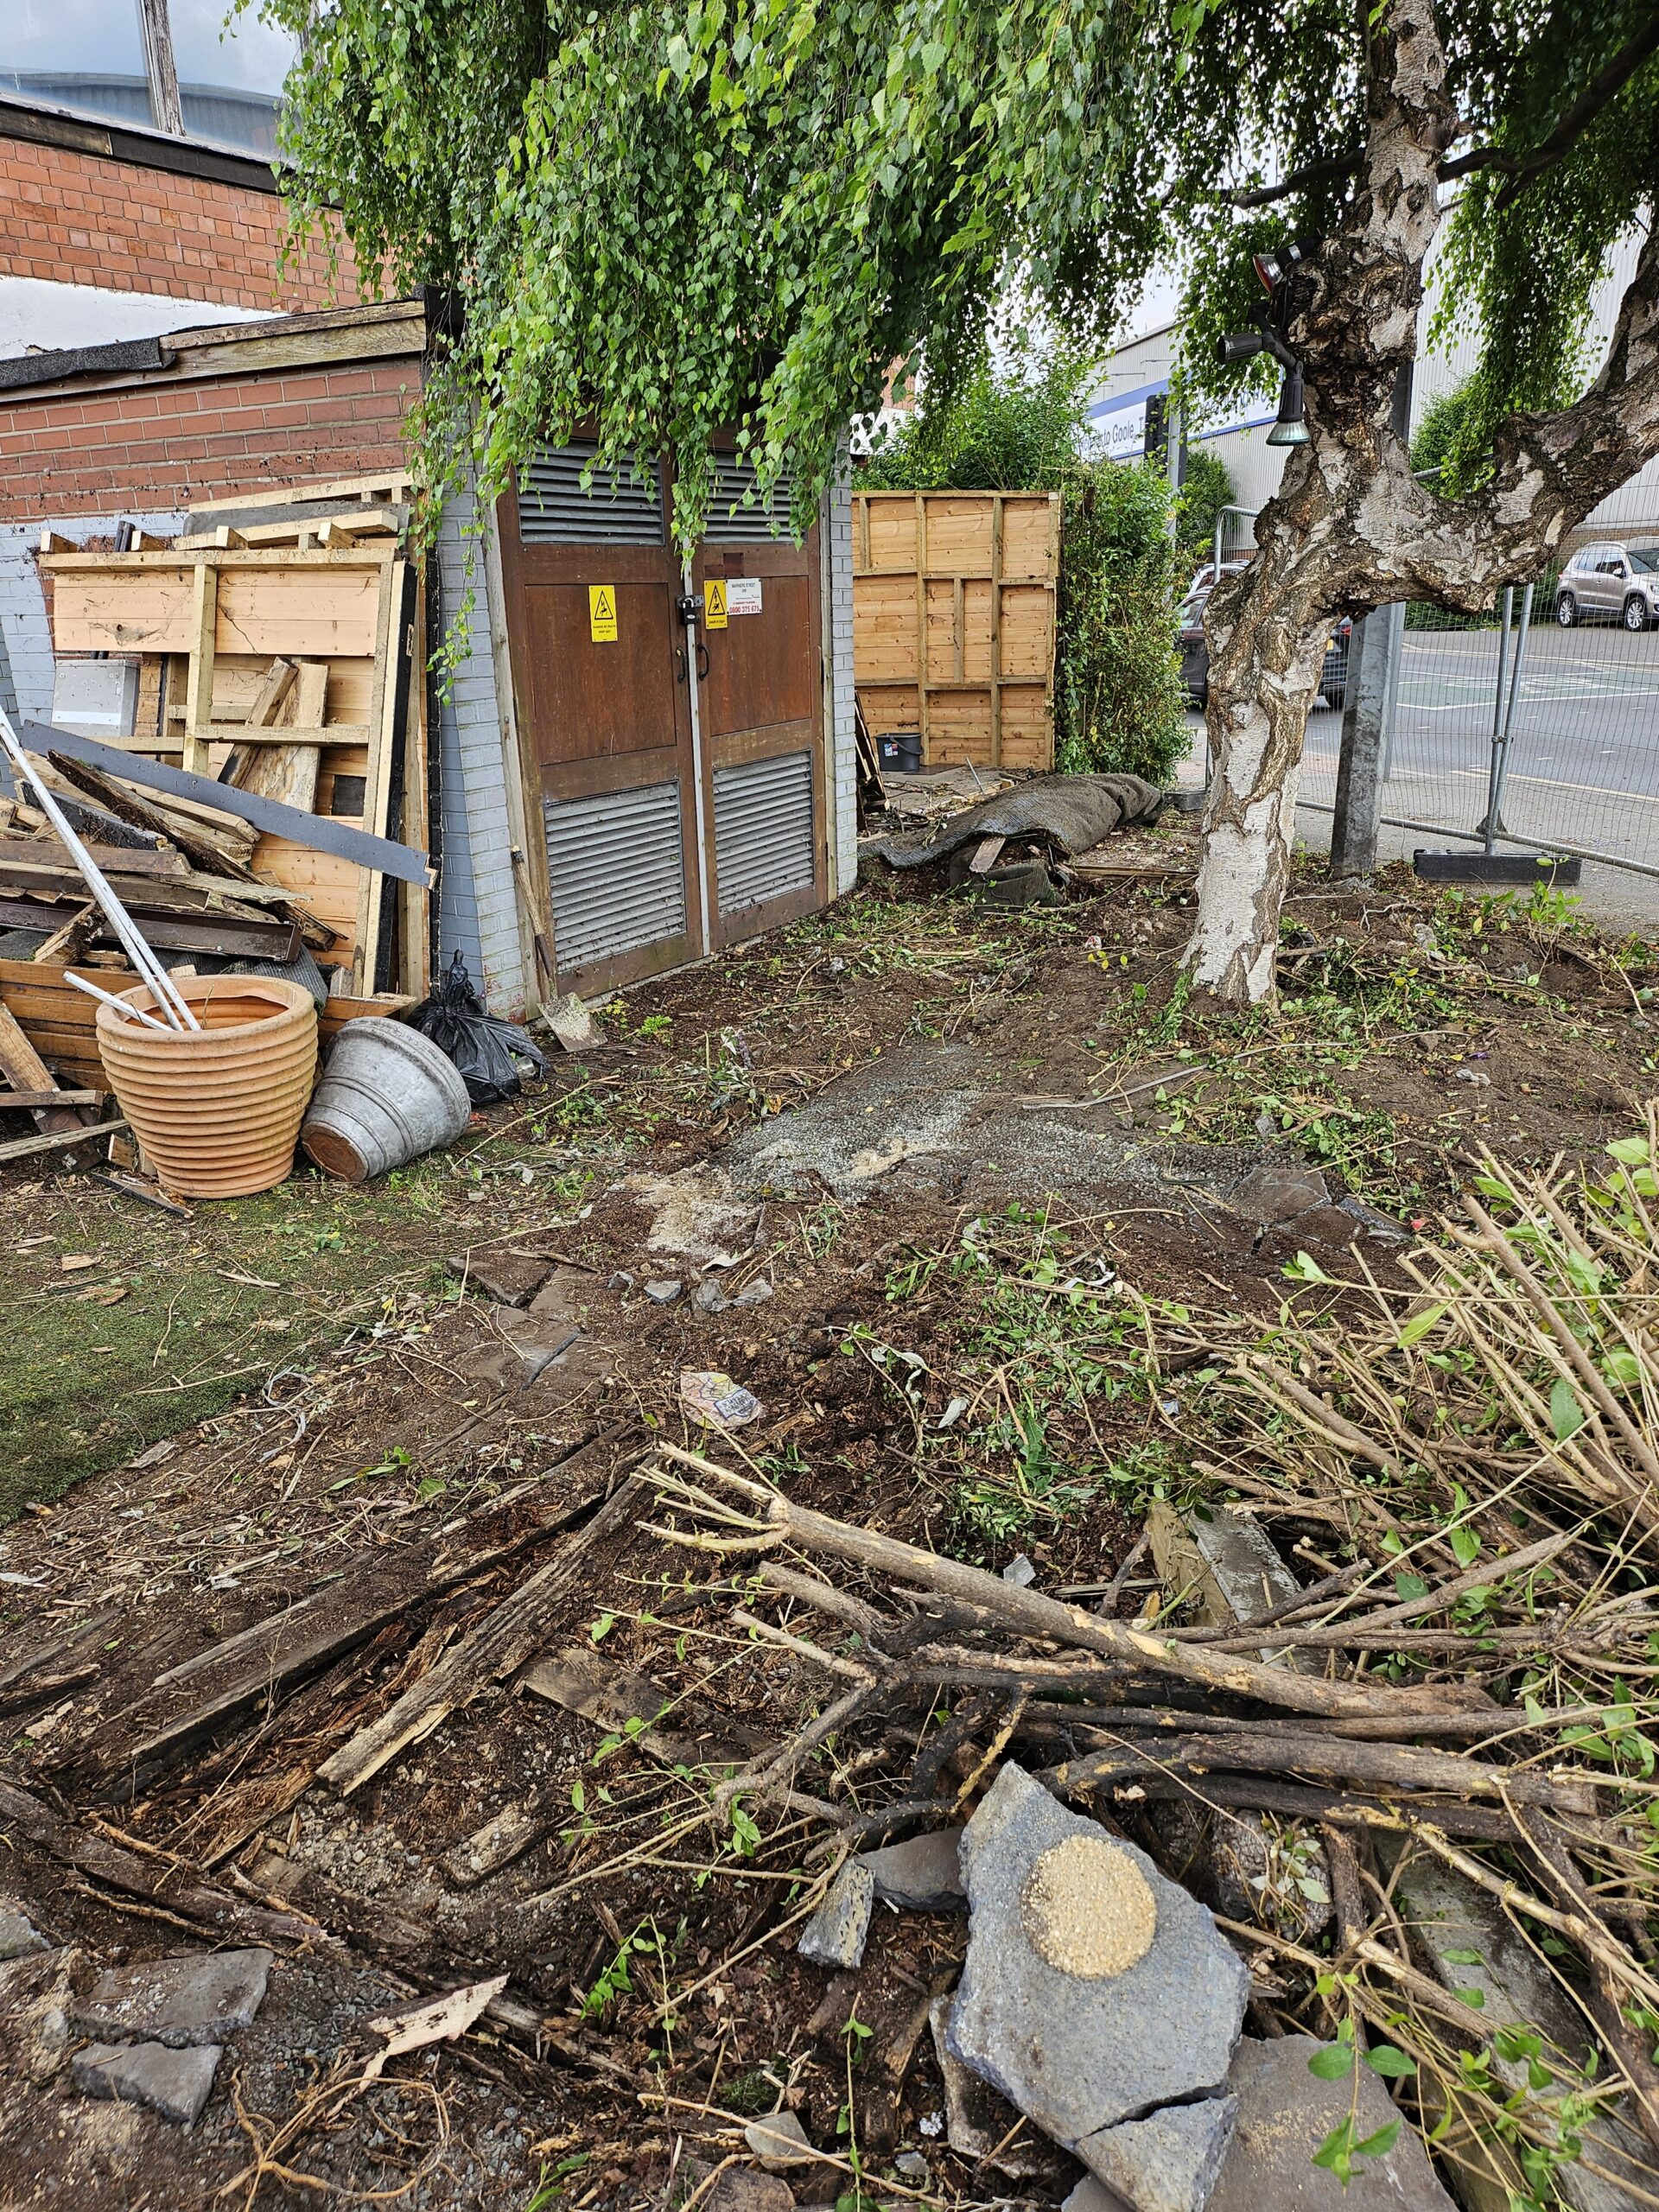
(761, 704)
(606, 718)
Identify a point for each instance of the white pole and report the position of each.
(165, 992)
(136, 1012)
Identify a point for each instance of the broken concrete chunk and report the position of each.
(570, 1022)
(1449, 1916)
(754, 1293)
(1093, 1988)
(1272, 1193)
(1020, 1571)
(835, 1936)
(922, 1875)
(175, 2084)
(709, 1298)
(538, 1339)
(1285, 2113)
(1372, 1223)
(779, 2141)
(1168, 2162)
(509, 1278)
(662, 1290)
(740, 2188)
(912, 2166)
(978, 2120)
(18, 1935)
(198, 1999)
(1223, 1564)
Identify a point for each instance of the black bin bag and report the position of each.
(492, 1055)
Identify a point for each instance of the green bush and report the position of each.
(1118, 700)
(1207, 489)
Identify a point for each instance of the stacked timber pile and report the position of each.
(258, 798)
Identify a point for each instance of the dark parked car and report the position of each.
(1609, 584)
(1195, 654)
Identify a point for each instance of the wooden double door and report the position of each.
(680, 762)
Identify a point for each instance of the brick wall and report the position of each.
(79, 218)
(168, 445)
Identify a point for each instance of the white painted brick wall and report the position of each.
(841, 769)
(478, 906)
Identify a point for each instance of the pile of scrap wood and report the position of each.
(267, 807)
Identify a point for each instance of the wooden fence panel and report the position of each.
(954, 622)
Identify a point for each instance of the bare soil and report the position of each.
(1018, 1261)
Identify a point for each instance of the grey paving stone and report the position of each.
(1168, 2162)
(835, 1936)
(18, 1933)
(778, 2141)
(922, 1874)
(1285, 2113)
(175, 2084)
(1272, 1193)
(1075, 2051)
(200, 1997)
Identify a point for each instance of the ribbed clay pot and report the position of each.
(217, 1111)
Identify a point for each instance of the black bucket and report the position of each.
(899, 752)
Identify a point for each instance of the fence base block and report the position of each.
(1549, 869)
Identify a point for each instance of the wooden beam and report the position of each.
(59, 1139)
(370, 553)
(415, 905)
(365, 488)
(198, 688)
(389, 656)
(319, 832)
(26, 1101)
(24, 1069)
(996, 632)
(501, 1643)
(281, 764)
(279, 682)
(921, 619)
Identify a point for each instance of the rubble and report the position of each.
(923, 1875)
(19, 1937)
(836, 1934)
(183, 2001)
(1168, 2162)
(780, 2142)
(175, 2084)
(1126, 1998)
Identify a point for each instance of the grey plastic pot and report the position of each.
(387, 1095)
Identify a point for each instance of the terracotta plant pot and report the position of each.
(217, 1112)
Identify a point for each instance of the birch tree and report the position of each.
(663, 219)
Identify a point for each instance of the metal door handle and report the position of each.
(679, 663)
(703, 660)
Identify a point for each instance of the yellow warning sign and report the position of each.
(713, 603)
(601, 613)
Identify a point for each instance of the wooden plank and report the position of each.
(293, 609)
(318, 830)
(285, 768)
(959, 628)
(921, 614)
(499, 1645)
(171, 932)
(341, 529)
(22, 1101)
(377, 800)
(367, 488)
(24, 1069)
(996, 630)
(198, 689)
(114, 859)
(59, 1139)
(342, 1008)
(190, 1701)
(415, 906)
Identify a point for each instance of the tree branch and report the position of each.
(1312, 173)
(1603, 87)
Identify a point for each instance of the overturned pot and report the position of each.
(217, 1110)
(387, 1095)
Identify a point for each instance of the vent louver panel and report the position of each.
(616, 872)
(730, 523)
(763, 831)
(618, 508)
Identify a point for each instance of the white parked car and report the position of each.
(1609, 584)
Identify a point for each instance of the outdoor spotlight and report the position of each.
(1238, 346)
(1274, 268)
(1289, 430)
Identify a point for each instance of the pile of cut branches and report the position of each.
(1469, 1467)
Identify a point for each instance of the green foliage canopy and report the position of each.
(670, 217)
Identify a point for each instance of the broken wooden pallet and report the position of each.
(188, 1702)
(499, 1645)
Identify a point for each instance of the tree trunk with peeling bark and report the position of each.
(1352, 529)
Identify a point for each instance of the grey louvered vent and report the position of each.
(618, 508)
(615, 871)
(762, 829)
(730, 523)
